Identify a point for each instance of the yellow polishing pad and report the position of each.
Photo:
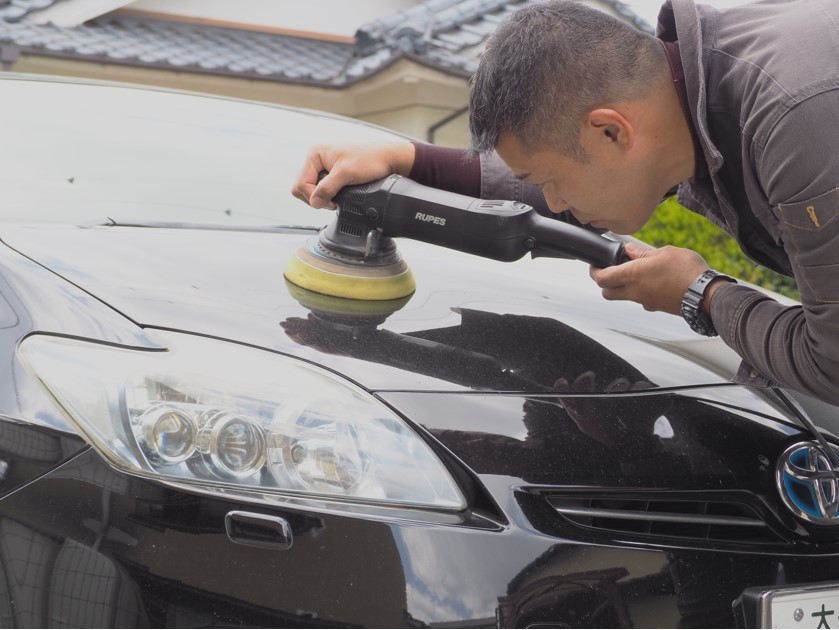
(329, 273)
(342, 307)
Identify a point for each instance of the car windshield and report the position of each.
(72, 153)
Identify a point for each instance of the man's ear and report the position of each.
(607, 127)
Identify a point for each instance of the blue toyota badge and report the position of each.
(809, 483)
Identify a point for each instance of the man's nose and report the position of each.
(555, 202)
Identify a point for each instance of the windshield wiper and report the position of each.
(191, 225)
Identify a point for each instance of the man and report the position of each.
(738, 108)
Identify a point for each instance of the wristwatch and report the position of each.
(697, 319)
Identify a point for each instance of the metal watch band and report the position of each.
(698, 320)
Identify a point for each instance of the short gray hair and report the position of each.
(549, 64)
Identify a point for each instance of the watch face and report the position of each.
(697, 319)
(706, 325)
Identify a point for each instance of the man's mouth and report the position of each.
(582, 217)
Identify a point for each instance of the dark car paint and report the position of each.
(229, 284)
(160, 555)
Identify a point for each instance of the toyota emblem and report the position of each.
(809, 483)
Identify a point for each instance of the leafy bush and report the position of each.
(673, 224)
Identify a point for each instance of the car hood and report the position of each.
(473, 324)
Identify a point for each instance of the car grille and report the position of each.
(696, 520)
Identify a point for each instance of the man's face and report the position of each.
(605, 192)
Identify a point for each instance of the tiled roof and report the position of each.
(444, 34)
(15, 10)
(450, 34)
(181, 46)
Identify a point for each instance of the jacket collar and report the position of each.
(679, 22)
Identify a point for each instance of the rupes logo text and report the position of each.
(430, 218)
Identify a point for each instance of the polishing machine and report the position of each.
(355, 256)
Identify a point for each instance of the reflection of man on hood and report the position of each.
(488, 351)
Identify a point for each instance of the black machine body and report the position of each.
(369, 215)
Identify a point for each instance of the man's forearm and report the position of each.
(446, 168)
(784, 344)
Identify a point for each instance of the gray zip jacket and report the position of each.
(763, 92)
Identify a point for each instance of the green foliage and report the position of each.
(673, 224)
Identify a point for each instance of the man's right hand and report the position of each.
(349, 164)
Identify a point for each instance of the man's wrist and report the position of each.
(405, 159)
(715, 284)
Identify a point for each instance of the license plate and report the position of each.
(812, 606)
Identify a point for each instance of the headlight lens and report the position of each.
(216, 413)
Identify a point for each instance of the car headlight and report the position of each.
(216, 413)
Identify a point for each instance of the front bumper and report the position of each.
(86, 546)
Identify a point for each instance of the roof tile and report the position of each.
(15, 10)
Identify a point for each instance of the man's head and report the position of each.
(551, 63)
(583, 105)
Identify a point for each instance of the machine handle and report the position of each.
(558, 239)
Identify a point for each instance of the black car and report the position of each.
(189, 440)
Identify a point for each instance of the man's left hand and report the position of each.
(655, 278)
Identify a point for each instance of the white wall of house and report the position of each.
(405, 97)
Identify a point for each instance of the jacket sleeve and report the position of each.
(795, 345)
